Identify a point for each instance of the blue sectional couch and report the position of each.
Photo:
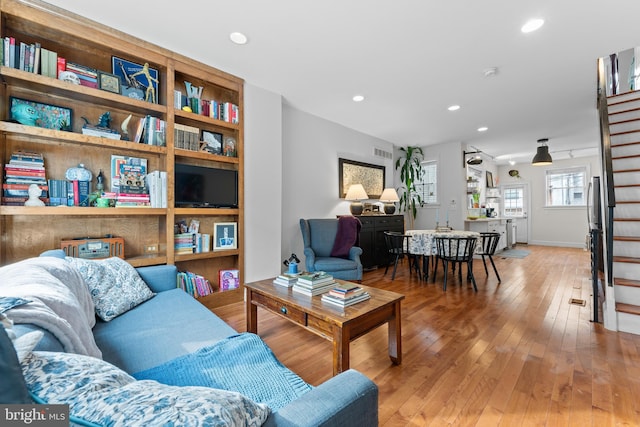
(170, 326)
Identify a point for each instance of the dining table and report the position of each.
(423, 243)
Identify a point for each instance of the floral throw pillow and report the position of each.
(98, 392)
(114, 284)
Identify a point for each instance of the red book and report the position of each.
(62, 66)
(76, 193)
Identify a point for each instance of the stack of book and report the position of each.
(287, 280)
(345, 294)
(24, 169)
(315, 283)
(88, 76)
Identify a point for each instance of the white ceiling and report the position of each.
(411, 59)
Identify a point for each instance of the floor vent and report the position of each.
(379, 152)
(576, 301)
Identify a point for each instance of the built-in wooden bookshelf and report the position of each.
(27, 231)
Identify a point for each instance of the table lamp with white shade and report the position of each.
(389, 197)
(356, 193)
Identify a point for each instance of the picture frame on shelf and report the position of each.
(370, 176)
(225, 236)
(229, 147)
(212, 142)
(137, 79)
(109, 82)
(490, 183)
(32, 113)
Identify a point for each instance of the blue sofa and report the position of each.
(172, 324)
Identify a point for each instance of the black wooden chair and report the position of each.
(397, 248)
(489, 242)
(456, 250)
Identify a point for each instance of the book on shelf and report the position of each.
(344, 302)
(156, 182)
(23, 170)
(193, 284)
(229, 279)
(104, 133)
(117, 161)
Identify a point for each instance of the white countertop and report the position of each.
(486, 219)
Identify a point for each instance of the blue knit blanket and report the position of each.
(241, 363)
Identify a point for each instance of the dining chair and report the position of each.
(397, 248)
(456, 250)
(489, 243)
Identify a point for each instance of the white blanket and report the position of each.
(61, 302)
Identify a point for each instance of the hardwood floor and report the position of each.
(514, 353)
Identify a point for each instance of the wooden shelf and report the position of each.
(28, 231)
(79, 211)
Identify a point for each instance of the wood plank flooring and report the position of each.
(516, 353)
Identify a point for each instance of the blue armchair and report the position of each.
(319, 236)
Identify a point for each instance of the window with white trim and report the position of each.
(566, 187)
(428, 185)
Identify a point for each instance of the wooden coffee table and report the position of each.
(341, 326)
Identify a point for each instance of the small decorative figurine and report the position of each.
(150, 94)
(292, 263)
(34, 196)
(125, 128)
(102, 128)
(100, 181)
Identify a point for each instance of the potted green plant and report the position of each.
(410, 165)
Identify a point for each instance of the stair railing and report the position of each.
(607, 165)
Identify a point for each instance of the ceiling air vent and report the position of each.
(379, 152)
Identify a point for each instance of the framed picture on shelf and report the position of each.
(109, 82)
(41, 115)
(229, 147)
(225, 235)
(212, 142)
(137, 79)
(490, 183)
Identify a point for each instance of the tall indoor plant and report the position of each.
(410, 165)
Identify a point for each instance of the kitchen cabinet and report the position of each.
(494, 225)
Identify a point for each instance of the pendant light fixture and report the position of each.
(542, 156)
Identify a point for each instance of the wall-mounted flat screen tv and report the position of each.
(202, 187)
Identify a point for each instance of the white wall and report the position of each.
(311, 148)
(552, 226)
(263, 183)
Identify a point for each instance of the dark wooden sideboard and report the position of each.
(374, 250)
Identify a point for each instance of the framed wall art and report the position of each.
(490, 183)
(41, 115)
(370, 176)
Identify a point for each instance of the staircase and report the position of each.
(624, 128)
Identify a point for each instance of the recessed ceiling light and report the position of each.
(238, 38)
(358, 98)
(483, 129)
(532, 25)
(454, 108)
